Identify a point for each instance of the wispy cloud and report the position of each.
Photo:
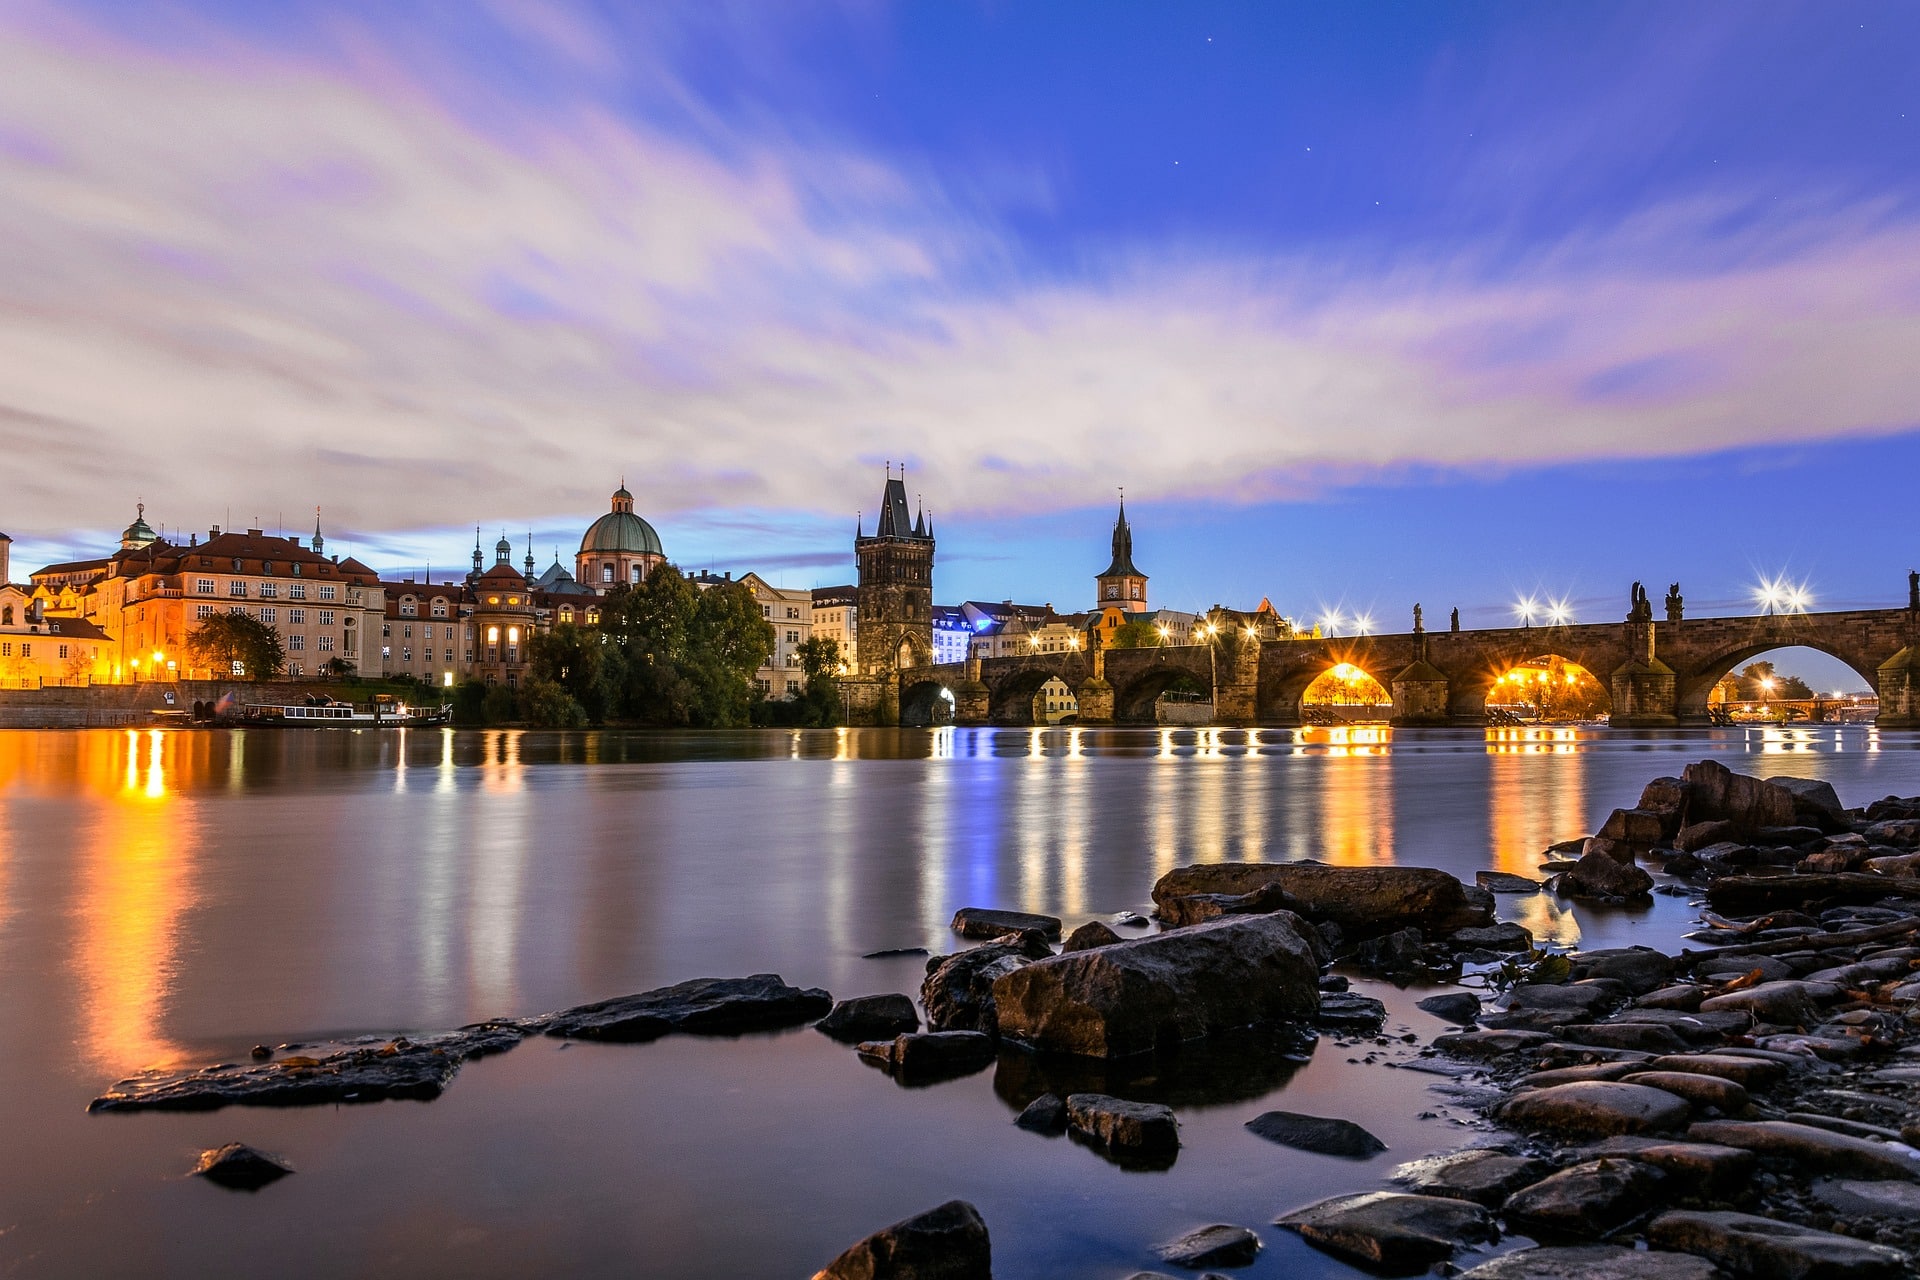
(241, 275)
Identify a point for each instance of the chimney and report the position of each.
(193, 539)
(213, 533)
(6, 558)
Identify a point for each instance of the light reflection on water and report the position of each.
(169, 895)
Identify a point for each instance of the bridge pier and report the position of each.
(1898, 684)
(1420, 695)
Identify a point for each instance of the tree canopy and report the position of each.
(1135, 633)
(239, 644)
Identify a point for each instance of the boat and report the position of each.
(317, 711)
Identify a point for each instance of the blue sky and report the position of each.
(1361, 304)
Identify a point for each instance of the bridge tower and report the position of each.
(893, 601)
(1121, 586)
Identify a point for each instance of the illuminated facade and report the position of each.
(38, 650)
(895, 592)
(618, 548)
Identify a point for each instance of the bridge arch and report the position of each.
(1138, 700)
(1010, 699)
(1548, 686)
(1346, 693)
(925, 702)
(1693, 691)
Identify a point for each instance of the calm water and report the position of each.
(178, 897)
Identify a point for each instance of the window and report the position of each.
(493, 635)
(266, 566)
(294, 568)
(26, 649)
(793, 637)
(606, 573)
(268, 590)
(296, 590)
(386, 651)
(427, 632)
(6, 648)
(792, 612)
(295, 668)
(326, 644)
(326, 591)
(269, 615)
(237, 608)
(449, 657)
(296, 616)
(204, 586)
(407, 631)
(203, 611)
(295, 643)
(236, 564)
(236, 588)
(439, 607)
(406, 653)
(63, 651)
(326, 617)
(636, 573)
(766, 611)
(407, 607)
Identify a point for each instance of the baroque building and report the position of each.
(895, 588)
(619, 547)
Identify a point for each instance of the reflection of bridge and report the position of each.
(1659, 674)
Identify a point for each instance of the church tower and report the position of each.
(894, 601)
(1121, 585)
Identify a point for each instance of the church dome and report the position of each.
(139, 533)
(620, 530)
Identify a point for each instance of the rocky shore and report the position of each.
(1740, 1109)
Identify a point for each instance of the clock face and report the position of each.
(1113, 591)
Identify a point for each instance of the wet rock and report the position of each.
(1131, 920)
(1685, 997)
(927, 1057)
(1702, 1091)
(1697, 1028)
(1598, 876)
(1745, 1245)
(1402, 951)
(1638, 969)
(1219, 1245)
(1615, 850)
(1752, 895)
(1814, 799)
(889, 953)
(986, 924)
(703, 1006)
(1715, 791)
(1901, 833)
(1904, 865)
(1141, 1128)
(1485, 1177)
(1643, 1037)
(1589, 1071)
(1582, 999)
(1045, 1114)
(870, 1018)
(1197, 907)
(1324, 1135)
(1452, 1006)
(1786, 1003)
(1348, 1012)
(1811, 1148)
(1750, 967)
(1598, 1108)
(1090, 935)
(1702, 1167)
(1754, 1073)
(1505, 882)
(1493, 937)
(1696, 836)
(947, 1243)
(1184, 985)
(1361, 900)
(1880, 1199)
(240, 1167)
(373, 1072)
(1593, 1262)
(1389, 1232)
(958, 992)
(1588, 1199)
(1641, 827)
(1488, 1044)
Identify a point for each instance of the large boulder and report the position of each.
(958, 990)
(1815, 800)
(1598, 875)
(704, 1006)
(948, 1243)
(870, 1018)
(1388, 1232)
(1593, 1262)
(1199, 907)
(1745, 1245)
(1598, 1108)
(1588, 1199)
(1130, 997)
(1323, 1135)
(984, 922)
(1124, 1127)
(1482, 1175)
(1361, 900)
(1810, 1148)
(1715, 792)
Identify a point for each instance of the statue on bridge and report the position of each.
(1418, 625)
(1641, 609)
(1456, 617)
(1676, 603)
(1913, 590)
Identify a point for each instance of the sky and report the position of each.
(1362, 305)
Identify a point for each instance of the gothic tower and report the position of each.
(895, 596)
(1121, 585)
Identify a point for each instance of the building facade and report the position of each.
(618, 548)
(790, 614)
(836, 617)
(38, 650)
(895, 590)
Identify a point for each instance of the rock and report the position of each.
(1493, 937)
(927, 1057)
(1696, 836)
(1812, 1148)
(1666, 797)
(240, 1167)
(1580, 999)
(1483, 1176)
(1698, 1028)
(1784, 1003)
(1701, 1090)
(1640, 827)
(1131, 920)
(1685, 997)
(1597, 1108)
(1346, 1011)
(1872, 1199)
(948, 1243)
(870, 1018)
(1705, 1167)
(1133, 996)
(1758, 894)
(1452, 1006)
(1722, 968)
(399, 1068)
(1746, 1245)
(1197, 907)
(958, 992)
(1488, 1044)
(1593, 1262)
(1390, 1232)
(1754, 1073)
(1787, 837)
(1589, 1071)
(1714, 791)
(1219, 1245)
(1505, 882)
(1045, 1114)
(1598, 876)
(1901, 833)
(1324, 1135)
(1638, 969)
(1361, 900)
(1615, 850)
(1090, 935)
(703, 1006)
(985, 924)
(1901, 865)
(1814, 800)
(1643, 1037)
(1144, 1128)
(1401, 951)
(1588, 1199)
(889, 953)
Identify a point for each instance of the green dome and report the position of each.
(621, 531)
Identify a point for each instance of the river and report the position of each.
(177, 897)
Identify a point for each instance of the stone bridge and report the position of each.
(1658, 673)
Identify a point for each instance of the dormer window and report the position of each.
(266, 566)
(236, 564)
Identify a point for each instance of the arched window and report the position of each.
(636, 573)
(606, 572)
(6, 616)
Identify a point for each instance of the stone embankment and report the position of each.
(1744, 1109)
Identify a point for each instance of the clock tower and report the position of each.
(1121, 585)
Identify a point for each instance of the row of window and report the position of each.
(408, 609)
(270, 615)
(264, 590)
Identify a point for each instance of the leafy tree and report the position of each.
(680, 655)
(500, 706)
(575, 660)
(469, 703)
(547, 704)
(229, 639)
(338, 666)
(1759, 682)
(1134, 634)
(820, 659)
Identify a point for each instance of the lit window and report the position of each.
(204, 586)
(513, 635)
(203, 611)
(493, 635)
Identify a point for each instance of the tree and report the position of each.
(1759, 682)
(338, 666)
(680, 655)
(820, 659)
(574, 660)
(547, 704)
(237, 643)
(1134, 633)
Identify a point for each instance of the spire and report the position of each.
(920, 521)
(1122, 565)
(529, 559)
(476, 549)
(859, 525)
